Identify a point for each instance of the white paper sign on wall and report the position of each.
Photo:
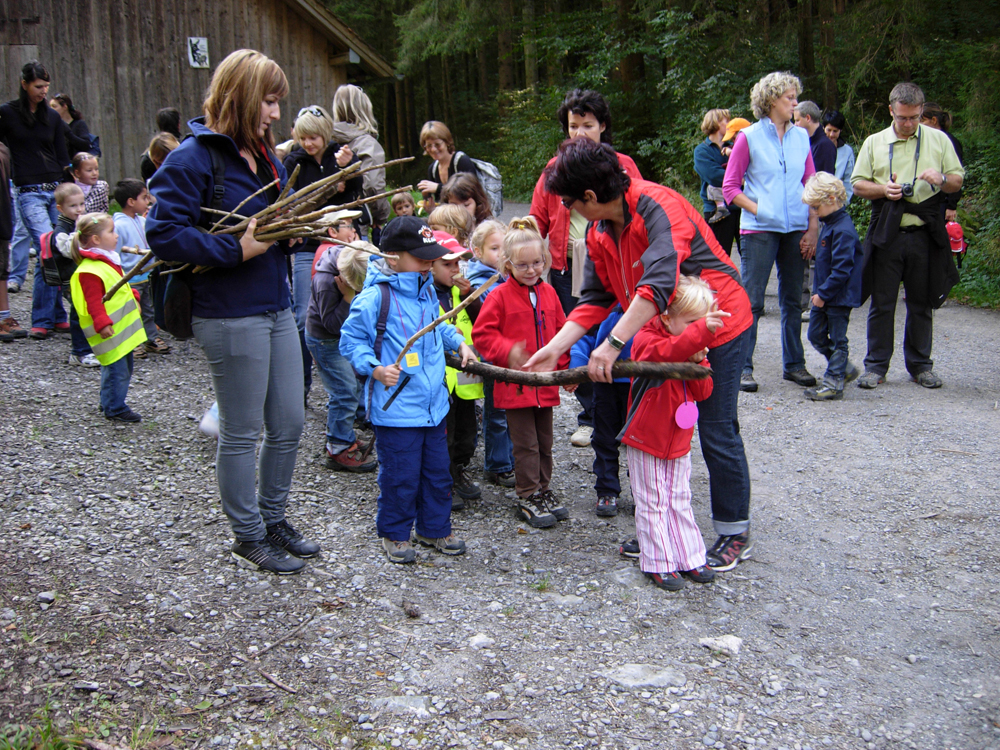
(198, 51)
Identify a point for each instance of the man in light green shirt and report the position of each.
(912, 163)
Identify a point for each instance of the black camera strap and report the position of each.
(916, 158)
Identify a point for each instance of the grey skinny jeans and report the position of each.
(256, 366)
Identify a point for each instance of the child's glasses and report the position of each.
(522, 267)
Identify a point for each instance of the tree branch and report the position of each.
(623, 368)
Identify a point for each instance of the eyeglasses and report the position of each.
(314, 111)
(568, 202)
(522, 267)
(915, 118)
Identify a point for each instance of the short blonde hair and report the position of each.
(692, 296)
(239, 85)
(353, 263)
(454, 220)
(521, 232)
(770, 88)
(713, 120)
(313, 120)
(65, 191)
(823, 188)
(483, 233)
(433, 129)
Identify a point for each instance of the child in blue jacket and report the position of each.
(836, 284)
(407, 404)
(610, 411)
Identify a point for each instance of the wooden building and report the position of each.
(122, 60)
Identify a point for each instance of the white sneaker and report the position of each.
(13, 287)
(210, 421)
(581, 438)
(87, 360)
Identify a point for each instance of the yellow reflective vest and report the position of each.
(467, 387)
(121, 308)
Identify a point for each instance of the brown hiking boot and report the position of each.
(11, 327)
(352, 459)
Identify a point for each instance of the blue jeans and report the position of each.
(414, 482)
(828, 334)
(20, 244)
(342, 388)
(301, 287)
(114, 386)
(721, 444)
(253, 360)
(758, 254)
(498, 451)
(39, 214)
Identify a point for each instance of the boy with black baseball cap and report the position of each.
(406, 403)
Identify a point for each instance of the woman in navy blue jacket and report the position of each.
(241, 308)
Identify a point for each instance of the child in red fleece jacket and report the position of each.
(657, 436)
(113, 328)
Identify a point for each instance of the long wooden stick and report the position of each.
(178, 269)
(623, 368)
(136, 270)
(273, 183)
(450, 314)
(290, 184)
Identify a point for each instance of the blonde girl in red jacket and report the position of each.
(519, 317)
(657, 436)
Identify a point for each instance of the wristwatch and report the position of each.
(615, 343)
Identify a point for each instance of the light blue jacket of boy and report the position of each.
(131, 233)
(423, 395)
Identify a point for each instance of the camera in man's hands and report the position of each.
(907, 189)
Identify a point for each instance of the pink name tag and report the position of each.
(686, 415)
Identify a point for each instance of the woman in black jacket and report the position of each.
(77, 132)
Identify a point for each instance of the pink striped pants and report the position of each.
(669, 538)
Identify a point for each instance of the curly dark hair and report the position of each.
(583, 165)
(582, 101)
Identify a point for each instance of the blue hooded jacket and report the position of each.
(579, 355)
(839, 261)
(234, 288)
(478, 273)
(423, 401)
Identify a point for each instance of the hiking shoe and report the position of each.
(62, 327)
(728, 551)
(140, 352)
(398, 552)
(13, 286)
(927, 379)
(747, 383)
(6, 337)
(581, 438)
(500, 478)
(457, 503)
(701, 574)
(84, 360)
(350, 459)
(126, 416)
(449, 545)
(629, 548)
(284, 535)
(554, 504)
(607, 506)
(667, 581)
(719, 215)
(463, 485)
(800, 377)
(851, 373)
(532, 509)
(824, 392)
(870, 380)
(11, 326)
(39, 333)
(157, 346)
(263, 555)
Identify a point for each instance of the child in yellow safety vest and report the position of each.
(451, 287)
(114, 327)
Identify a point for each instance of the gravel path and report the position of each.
(867, 618)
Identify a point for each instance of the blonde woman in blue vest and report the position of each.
(767, 170)
(113, 328)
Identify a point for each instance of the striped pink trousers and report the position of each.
(669, 538)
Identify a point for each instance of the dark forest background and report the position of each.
(496, 70)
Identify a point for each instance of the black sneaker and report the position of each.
(801, 377)
(701, 574)
(629, 548)
(501, 478)
(747, 383)
(607, 506)
(457, 503)
(263, 555)
(463, 486)
(824, 392)
(534, 511)
(667, 581)
(283, 535)
(554, 504)
(727, 552)
(126, 416)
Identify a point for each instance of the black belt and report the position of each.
(46, 187)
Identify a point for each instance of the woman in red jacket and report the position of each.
(519, 317)
(657, 436)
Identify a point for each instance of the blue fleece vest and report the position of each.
(773, 178)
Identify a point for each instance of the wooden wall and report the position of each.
(122, 60)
